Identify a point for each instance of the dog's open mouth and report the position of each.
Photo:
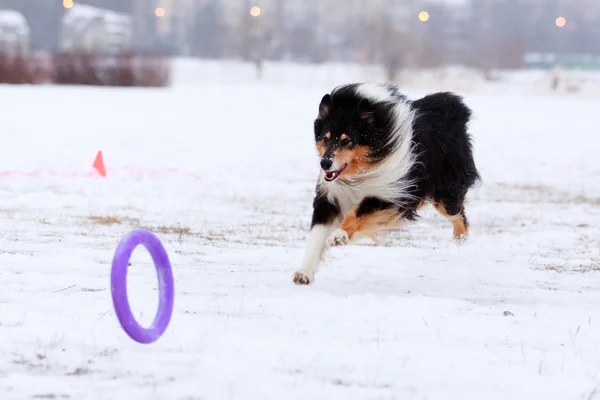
(333, 175)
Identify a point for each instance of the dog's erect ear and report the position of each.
(367, 116)
(325, 106)
(365, 110)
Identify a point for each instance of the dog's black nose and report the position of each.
(326, 163)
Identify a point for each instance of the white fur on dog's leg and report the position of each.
(339, 237)
(315, 247)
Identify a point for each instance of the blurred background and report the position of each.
(486, 36)
(200, 114)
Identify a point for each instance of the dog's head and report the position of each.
(346, 134)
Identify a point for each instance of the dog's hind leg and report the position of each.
(451, 205)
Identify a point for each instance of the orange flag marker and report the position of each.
(99, 163)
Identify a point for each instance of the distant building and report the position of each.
(14, 31)
(121, 6)
(43, 18)
(95, 29)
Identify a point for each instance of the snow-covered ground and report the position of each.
(224, 175)
(538, 82)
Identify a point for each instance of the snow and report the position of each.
(464, 80)
(224, 174)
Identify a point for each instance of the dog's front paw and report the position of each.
(339, 237)
(303, 278)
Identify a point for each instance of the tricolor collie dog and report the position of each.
(382, 157)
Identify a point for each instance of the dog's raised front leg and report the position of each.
(325, 215)
(368, 218)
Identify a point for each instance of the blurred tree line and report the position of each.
(486, 34)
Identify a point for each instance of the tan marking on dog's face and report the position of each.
(356, 158)
(321, 149)
(323, 144)
(343, 152)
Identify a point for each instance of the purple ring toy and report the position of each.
(118, 280)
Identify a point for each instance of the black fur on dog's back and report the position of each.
(444, 169)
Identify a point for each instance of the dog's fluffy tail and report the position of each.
(442, 122)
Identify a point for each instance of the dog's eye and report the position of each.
(325, 139)
(345, 142)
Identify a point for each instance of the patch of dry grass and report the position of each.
(79, 371)
(177, 230)
(542, 194)
(111, 220)
(582, 268)
(173, 230)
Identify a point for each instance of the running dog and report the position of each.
(383, 157)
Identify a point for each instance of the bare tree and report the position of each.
(499, 35)
(252, 40)
(386, 43)
(209, 34)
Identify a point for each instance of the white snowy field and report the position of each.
(224, 175)
(579, 83)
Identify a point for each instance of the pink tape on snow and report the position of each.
(122, 171)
